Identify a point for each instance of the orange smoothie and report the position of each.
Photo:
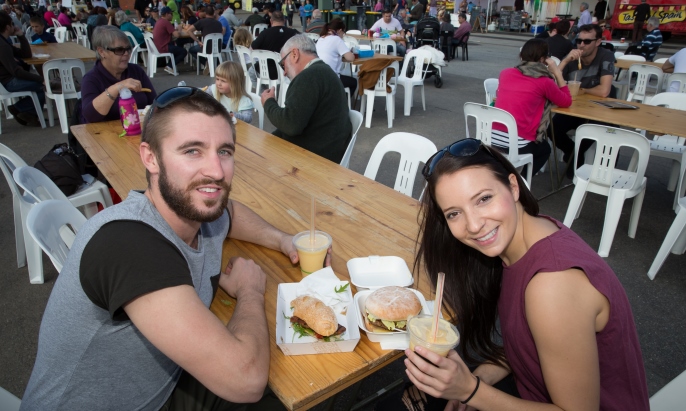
(311, 253)
(419, 328)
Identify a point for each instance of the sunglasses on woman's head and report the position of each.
(463, 148)
(585, 41)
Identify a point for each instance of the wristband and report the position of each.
(107, 91)
(478, 380)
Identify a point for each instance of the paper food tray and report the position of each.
(41, 55)
(373, 336)
(375, 272)
(290, 344)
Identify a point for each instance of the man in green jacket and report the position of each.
(315, 116)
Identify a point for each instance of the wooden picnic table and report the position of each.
(397, 39)
(377, 56)
(66, 50)
(625, 64)
(660, 120)
(277, 179)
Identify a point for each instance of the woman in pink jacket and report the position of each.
(528, 92)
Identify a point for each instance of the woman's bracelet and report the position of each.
(107, 92)
(478, 381)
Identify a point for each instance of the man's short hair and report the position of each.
(300, 42)
(462, 16)
(37, 20)
(157, 126)
(317, 14)
(209, 10)
(277, 16)
(386, 11)
(587, 28)
(5, 20)
(563, 27)
(584, 5)
(653, 21)
(255, 10)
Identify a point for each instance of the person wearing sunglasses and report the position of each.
(595, 75)
(112, 72)
(568, 333)
(315, 114)
(128, 325)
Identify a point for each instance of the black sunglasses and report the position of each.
(171, 96)
(120, 51)
(463, 148)
(284, 58)
(585, 41)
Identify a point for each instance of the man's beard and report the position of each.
(181, 203)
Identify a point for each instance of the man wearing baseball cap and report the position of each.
(254, 18)
(163, 35)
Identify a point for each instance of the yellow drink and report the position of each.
(419, 328)
(311, 253)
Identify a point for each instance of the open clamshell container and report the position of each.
(376, 272)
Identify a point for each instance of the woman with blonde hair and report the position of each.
(229, 89)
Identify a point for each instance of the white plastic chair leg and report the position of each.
(575, 204)
(615, 201)
(369, 100)
(636, 212)
(423, 98)
(62, 113)
(676, 234)
(51, 115)
(390, 109)
(673, 176)
(679, 191)
(19, 233)
(39, 111)
(34, 254)
(408, 100)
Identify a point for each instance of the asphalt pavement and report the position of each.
(659, 306)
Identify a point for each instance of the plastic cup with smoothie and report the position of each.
(311, 253)
(574, 88)
(419, 328)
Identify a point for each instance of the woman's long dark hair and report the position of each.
(534, 50)
(334, 25)
(472, 279)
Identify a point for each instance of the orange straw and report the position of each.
(437, 305)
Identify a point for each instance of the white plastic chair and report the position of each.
(137, 49)
(357, 32)
(379, 90)
(671, 147)
(53, 224)
(257, 103)
(61, 34)
(485, 116)
(356, 120)
(680, 79)
(211, 50)
(603, 178)
(623, 81)
(644, 73)
(313, 36)
(672, 396)
(491, 87)
(555, 59)
(6, 95)
(242, 52)
(65, 70)
(56, 23)
(413, 148)
(81, 34)
(351, 42)
(257, 29)
(381, 46)
(661, 61)
(153, 54)
(675, 241)
(262, 57)
(417, 57)
(618, 55)
(8, 402)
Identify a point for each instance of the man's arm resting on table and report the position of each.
(668, 67)
(232, 361)
(603, 89)
(246, 225)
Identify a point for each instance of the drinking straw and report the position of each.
(313, 208)
(437, 305)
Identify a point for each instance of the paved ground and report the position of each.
(658, 305)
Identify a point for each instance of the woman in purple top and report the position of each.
(568, 332)
(112, 72)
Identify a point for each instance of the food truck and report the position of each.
(672, 15)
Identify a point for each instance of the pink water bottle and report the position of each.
(128, 112)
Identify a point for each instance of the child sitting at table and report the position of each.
(229, 89)
(39, 33)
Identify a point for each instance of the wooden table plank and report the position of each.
(659, 120)
(625, 64)
(66, 50)
(276, 179)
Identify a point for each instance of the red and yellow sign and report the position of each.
(666, 14)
